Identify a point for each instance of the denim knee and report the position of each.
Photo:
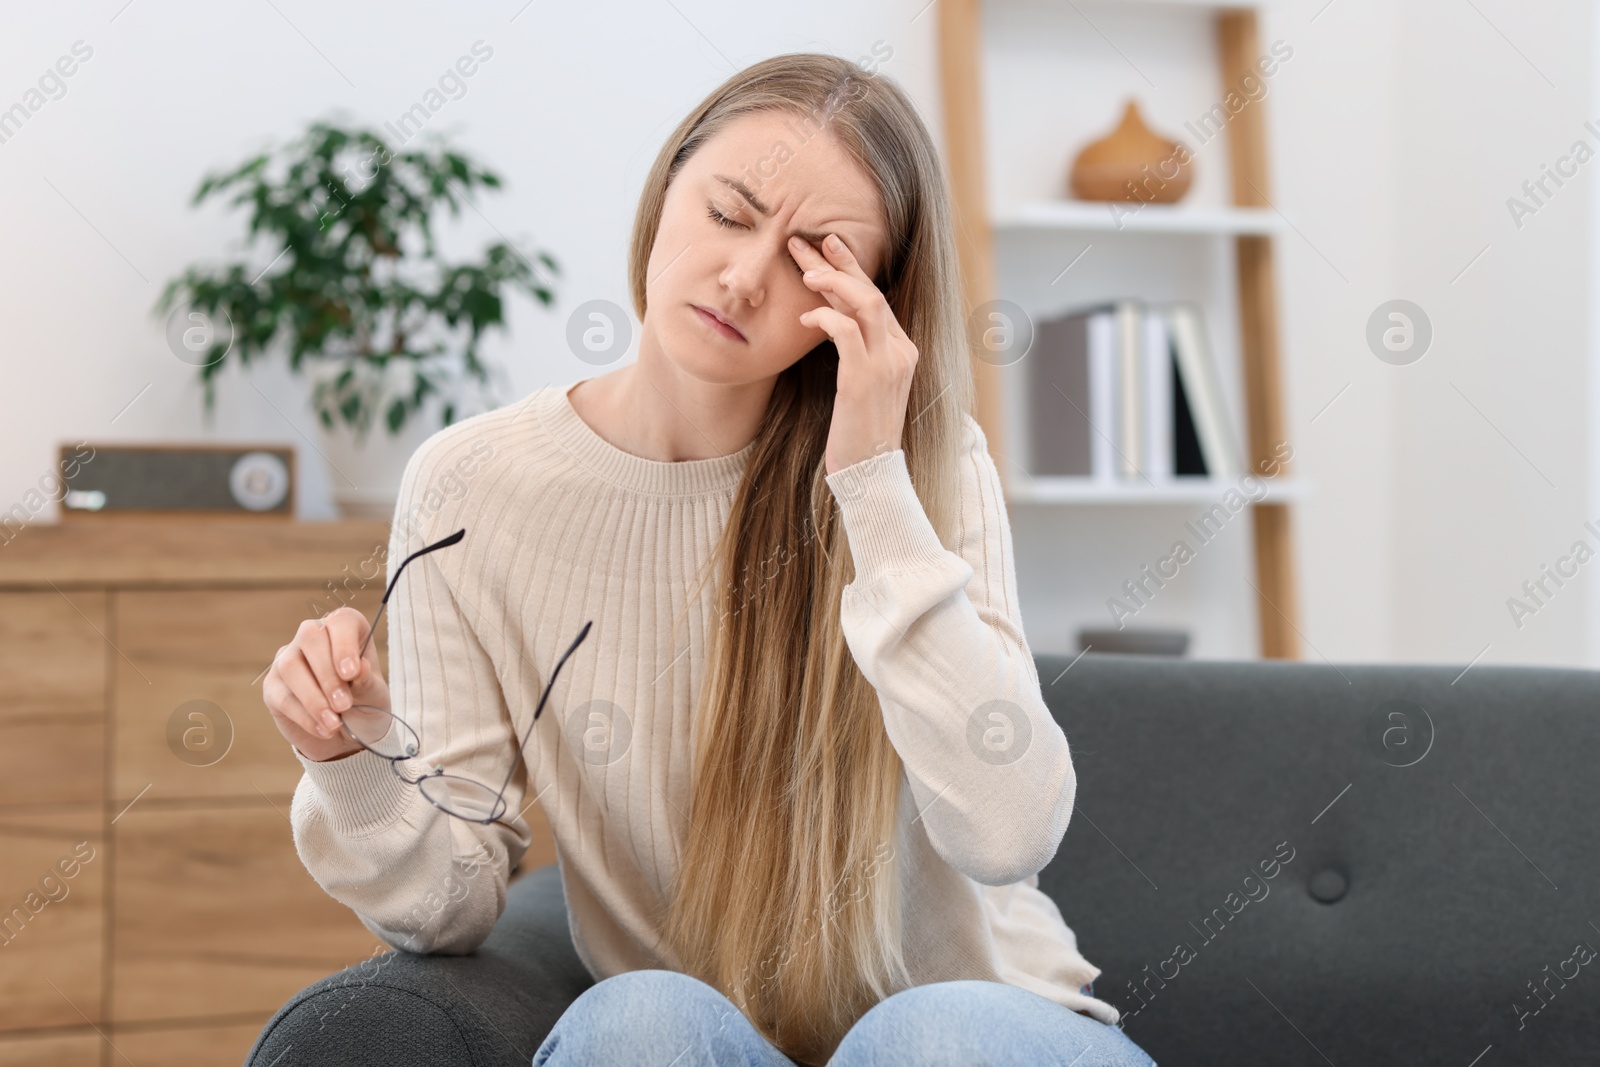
(636, 1016)
(979, 1022)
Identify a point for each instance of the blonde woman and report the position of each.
(800, 775)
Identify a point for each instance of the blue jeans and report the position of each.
(662, 1018)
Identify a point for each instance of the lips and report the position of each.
(718, 323)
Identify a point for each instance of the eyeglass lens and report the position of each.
(463, 797)
(378, 730)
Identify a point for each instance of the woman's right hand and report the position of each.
(316, 677)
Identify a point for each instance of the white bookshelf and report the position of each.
(1026, 84)
(1189, 489)
(1085, 216)
(1049, 271)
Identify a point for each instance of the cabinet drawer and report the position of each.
(187, 1046)
(52, 919)
(57, 759)
(216, 915)
(52, 654)
(211, 646)
(53, 672)
(52, 1050)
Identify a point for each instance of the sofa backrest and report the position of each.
(1306, 863)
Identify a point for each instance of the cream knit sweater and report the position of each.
(563, 528)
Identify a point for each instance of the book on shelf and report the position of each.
(1127, 391)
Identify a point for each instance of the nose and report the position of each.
(745, 275)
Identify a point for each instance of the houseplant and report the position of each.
(357, 294)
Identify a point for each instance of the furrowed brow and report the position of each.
(739, 187)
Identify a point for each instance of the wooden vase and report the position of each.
(1131, 163)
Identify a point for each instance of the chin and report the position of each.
(704, 360)
(714, 360)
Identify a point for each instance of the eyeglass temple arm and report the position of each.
(445, 543)
(544, 696)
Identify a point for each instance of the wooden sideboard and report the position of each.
(152, 907)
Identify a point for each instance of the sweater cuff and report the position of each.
(883, 517)
(360, 793)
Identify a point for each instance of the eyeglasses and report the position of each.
(385, 734)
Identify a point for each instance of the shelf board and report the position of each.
(1104, 216)
(1185, 490)
(1205, 5)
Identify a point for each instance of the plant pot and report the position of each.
(365, 475)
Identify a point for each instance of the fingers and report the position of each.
(292, 716)
(347, 629)
(315, 641)
(303, 689)
(858, 298)
(891, 369)
(840, 261)
(839, 255)
(834, 254)
(296, 675)
(298, 716)
(843, 329)
(845, 285)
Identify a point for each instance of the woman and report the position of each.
(755, 515)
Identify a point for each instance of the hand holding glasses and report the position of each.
(381, 732)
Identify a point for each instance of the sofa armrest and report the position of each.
(400, 1009)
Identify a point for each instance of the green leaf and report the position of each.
(340, 230)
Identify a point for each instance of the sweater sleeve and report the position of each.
(419, 879)
(939, 635)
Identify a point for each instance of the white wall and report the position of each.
(1338, 121)
(570, 110)
(1492, 427)
(1398, 131)
(1444, 484)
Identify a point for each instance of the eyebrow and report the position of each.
(739, 187)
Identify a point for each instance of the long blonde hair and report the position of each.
(787, 894)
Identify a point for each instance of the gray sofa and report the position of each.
(1432, 840)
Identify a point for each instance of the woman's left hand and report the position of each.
(876, 358)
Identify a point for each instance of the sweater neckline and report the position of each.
(625, 470)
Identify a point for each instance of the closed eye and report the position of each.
(722, 220)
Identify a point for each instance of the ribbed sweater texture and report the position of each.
(563, 528)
